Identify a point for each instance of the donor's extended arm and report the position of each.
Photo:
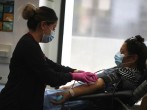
(80, 90)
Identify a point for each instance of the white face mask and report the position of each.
(48, 38)
(118, 58)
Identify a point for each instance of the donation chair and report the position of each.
(118, 100)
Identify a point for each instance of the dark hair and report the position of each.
(135, 45)
(36, 15)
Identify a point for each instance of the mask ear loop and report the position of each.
(43, 33)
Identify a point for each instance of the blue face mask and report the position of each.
(118, 58)
(48, 38)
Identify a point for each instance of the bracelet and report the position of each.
(72, 92)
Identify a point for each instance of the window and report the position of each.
(94, 30)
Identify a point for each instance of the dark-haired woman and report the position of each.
(30, 69)
(131, 62)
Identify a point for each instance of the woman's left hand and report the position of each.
(64, 96)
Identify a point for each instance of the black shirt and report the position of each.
(30, 72)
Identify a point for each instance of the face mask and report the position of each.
(118, 58)
(48, 38)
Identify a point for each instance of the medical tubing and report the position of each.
(99, 70)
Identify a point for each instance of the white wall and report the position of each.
(12, 38)
(20, 28)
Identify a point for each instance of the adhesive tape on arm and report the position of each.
(71, 92)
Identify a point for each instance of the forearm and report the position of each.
(87, 89)
(80, 90)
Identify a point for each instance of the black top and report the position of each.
(123, 77)
(30, 72)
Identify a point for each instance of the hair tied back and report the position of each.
(28, 11)
(139, 38)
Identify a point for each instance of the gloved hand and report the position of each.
(86, 77)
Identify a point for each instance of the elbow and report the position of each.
(100, 83)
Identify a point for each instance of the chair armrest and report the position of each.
(119, 94)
